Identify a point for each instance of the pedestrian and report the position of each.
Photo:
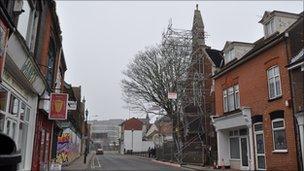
(153, 152)
(149, 151)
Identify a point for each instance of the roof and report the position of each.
(77, 92)
(228, 43)
(260, 45)
(267, 15)
(132, 124)
(297, 60)
(216, 56)
(69, 90)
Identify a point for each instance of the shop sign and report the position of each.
(3, 45)
(72, 105)
(29, 71)
(59, 106)
(172, 95)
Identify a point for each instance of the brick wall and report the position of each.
(252, 79)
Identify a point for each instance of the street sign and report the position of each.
(58, 107)
(172, 95)
(72, 105)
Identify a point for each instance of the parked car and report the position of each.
(99, 151)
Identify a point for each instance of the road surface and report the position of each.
(115, 161)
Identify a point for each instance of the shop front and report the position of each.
(234, 140)
(21, 85)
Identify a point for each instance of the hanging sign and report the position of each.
(59, 106)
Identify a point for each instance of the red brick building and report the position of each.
(254, 119)
(50, 57)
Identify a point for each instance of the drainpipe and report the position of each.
(299, 150)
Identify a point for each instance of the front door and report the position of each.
(244, 153)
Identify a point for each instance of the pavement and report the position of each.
(78, 164)
(115, 161)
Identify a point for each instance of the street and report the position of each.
(115, 161)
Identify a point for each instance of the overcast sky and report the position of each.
(101, 38)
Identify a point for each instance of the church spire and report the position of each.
(198, 32)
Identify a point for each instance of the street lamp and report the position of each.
(132, 141)
(86, 151)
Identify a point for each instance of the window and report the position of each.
(274, 82)
(14, 105)
(22, 111)
(2, 120)
(269, 28)
(237, 96)
(231, 105)
(3, 99)
(231, 98)
(229, 56)
(234, 148)
(24, 18)
(278, 132)
(51, 62)
(225, 101)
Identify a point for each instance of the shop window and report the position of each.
(27, 114)
(279, 137)
(3, 99)
(234, 148)
(22, 111)
(243, 131)
(14, 105)
(23, 130)
(2, 120)
(274, 82)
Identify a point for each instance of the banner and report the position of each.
(59, 106)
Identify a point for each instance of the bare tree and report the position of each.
(153, 73)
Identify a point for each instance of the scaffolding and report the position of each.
(190, 118)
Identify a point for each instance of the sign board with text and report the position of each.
(72, 105)
(59, 106)
(172, 96)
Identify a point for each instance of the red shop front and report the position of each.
(42, 142)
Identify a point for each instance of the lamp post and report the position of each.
(86, 151)
(132, 141)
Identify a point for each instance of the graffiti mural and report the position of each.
(68, 147)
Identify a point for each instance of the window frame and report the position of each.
(269, 28)
(225, 100)
(278, 129)
(229, 55)
(236, 102)
(276, 94)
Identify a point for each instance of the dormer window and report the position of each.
(229, 55)
(269, 28)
